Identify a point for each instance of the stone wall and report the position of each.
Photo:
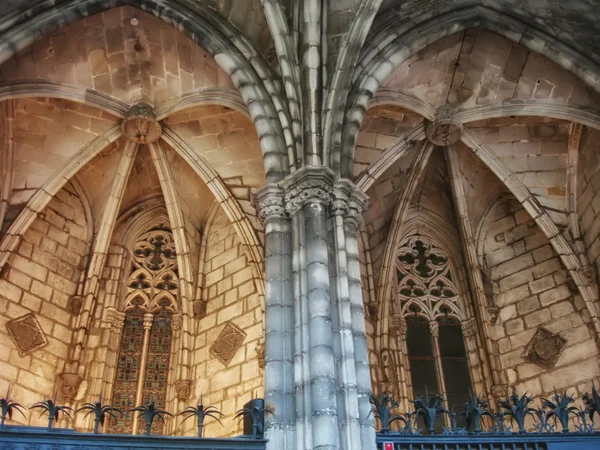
(232, 297)
(40, 278)
(531, 290)
(479, 67)
(124, 52)
(588, 194)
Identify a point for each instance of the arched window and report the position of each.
(428, 301)
(145, 349)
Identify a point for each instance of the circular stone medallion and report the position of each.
(444, 132)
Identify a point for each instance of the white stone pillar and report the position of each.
(279, 319)
(308, 196)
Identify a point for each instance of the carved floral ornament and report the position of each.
(425, 280)
(153, 284)
(343, 197)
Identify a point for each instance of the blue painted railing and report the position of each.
(31, 438)
(530, 441)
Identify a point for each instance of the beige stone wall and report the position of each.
(47, 132)
(150, 61)
(530, 289)
(40, 277)
(588, 195)
(478, 67)
(535, 150)
(232, 296)
(381, 127)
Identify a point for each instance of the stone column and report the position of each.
(279, 319)
(307, 196)
(148, 318)
(350, 203)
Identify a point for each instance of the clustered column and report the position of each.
(317, 377)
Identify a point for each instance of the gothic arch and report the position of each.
(247, 69)
(387, 49)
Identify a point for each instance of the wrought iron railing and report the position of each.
(568, 441)
(557, 424)
(32, 438)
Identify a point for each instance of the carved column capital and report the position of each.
(398, 324)
(308, 185)
(348, 201)
(468, 327)
(269, 203)
(113, 318)
(148, 318)
(69, 385)
(176, 321)
(183, 389)
(434, 328)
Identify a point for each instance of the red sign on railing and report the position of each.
(388, 446)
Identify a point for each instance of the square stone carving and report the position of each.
(544, 349)
(228, 343)
(26, 333)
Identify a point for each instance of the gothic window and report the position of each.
(144, 354)
(428, 301)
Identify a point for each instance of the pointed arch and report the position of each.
(248, 70)
(55, 183)
(57, 89)
(398, 40)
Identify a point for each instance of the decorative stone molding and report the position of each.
(544, 348)
(348, 201)
(26, 333)
(183, 389)
(140, 125)
(493, 313)
(434, 328)
(269, 203)
(589, 274)
(69, 385)
(373, 309)
(308, 185)
(148, 319)
(398, 324)
(199, 307)
(228, 343)
(260, 351)
(113, 318)
(75, 304)
(386, 387)
(469, 327)
(176, 321)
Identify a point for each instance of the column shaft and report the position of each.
(359, 333)
(279, 320)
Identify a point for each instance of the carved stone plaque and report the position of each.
(26, 333)
(228, 343)
(544, 349)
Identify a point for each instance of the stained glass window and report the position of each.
(152, 289)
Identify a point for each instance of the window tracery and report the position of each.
(425, 281)
(431, 317)
(150, 305)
